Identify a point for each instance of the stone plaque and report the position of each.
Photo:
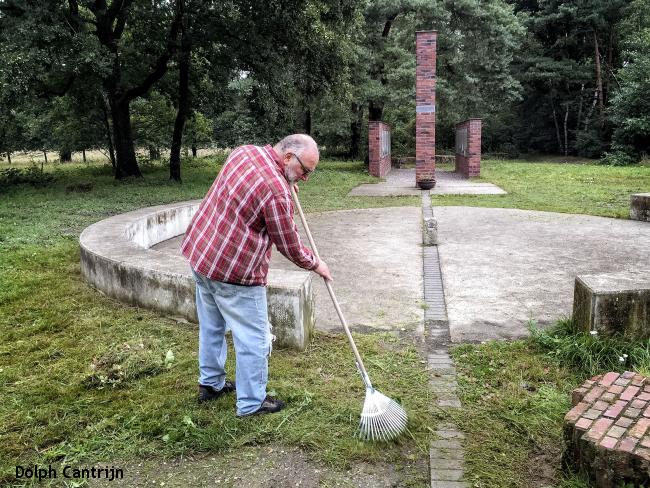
(384, 140)
(461, 141)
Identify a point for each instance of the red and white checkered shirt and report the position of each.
(247, 209)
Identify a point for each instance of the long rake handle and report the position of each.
(360, 365)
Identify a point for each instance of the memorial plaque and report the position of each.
(461, 141)
(385, 143)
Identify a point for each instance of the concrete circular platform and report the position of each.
(376, 260)
(374, 255)
(504, 267)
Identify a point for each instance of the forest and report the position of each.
(165, 78)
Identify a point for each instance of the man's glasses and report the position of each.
(305, 170)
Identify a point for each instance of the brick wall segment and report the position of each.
(379, 165)
(469, 164)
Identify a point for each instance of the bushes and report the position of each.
(33, 175)
(619, 158)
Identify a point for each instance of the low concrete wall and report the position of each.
(613, 303)
(640, 206)
(116, 259)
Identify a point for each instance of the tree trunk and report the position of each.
(375, 111)
(194, 149)
(566, 132)
(154, 153)
(306, 119)
(45, 155)
(582, 89)
(591, 109)
(83, 154)
(65, 156)
(183, 97)
(599, 80)
(9, 156)
(355, 131)
(557, 127)
(610, 64)
(109, 138)
(126, 163)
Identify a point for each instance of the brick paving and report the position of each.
(608, 429)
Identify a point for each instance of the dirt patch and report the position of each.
(542, 468)
(265, 467)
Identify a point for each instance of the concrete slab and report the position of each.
(503, 267)
(401, 182)
(376, 259)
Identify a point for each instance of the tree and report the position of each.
(566, 66)
(630, 107)
(123, 46)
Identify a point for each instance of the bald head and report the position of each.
(296, 151)
(298, 144)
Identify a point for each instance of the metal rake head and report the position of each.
(382, 418)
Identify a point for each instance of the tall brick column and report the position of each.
(425, 111)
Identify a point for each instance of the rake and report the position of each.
(382, 418)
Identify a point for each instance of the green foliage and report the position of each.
(33, 176)
(152, 119)
(563, 110)
(620, 157)
(588, 354)
(630, 110)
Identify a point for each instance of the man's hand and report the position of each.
(323, 270)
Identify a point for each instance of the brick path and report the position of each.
(446, 453)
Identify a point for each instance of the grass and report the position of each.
(514, 401)
(515, 395)
(85, 378)
(588, 189)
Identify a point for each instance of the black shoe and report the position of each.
(207, 393)
(269, 405)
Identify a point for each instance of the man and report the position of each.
(228, 245)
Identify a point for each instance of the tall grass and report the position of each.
(590, 354)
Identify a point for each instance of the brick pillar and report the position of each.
(474, 146)
(468, 148)
(378, 148)
(425, 112)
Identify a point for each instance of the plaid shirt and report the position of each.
(247, 209)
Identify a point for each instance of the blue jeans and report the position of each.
(243, 310)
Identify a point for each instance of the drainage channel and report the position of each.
(446, 458)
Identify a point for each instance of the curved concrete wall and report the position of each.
(117, 260)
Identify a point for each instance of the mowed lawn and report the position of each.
(589, 189)
(85, 378)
